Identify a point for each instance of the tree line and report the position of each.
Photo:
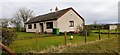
(18, 21)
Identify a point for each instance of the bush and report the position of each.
(87, 29)
(22, 30)
(60, 34)
(8, 36)
(83, 33)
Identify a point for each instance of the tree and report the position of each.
(87, 29)
(4, 22)
(16, 22)
(24, 14)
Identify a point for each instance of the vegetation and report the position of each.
(26, 42)
(103, 31)
(103, 46)
(19, 18)
(4, 23)
(8, 36)
(86, 30)
(16, 23)
(24, 14)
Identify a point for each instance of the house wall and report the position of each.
(113, 27)
(38, 27)
(63, 21)
(54, 26)
(33, 30)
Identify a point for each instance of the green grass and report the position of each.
(25, 35)
(104, 46)
(104, 31)
(27, 41)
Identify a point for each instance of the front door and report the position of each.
(41, 27)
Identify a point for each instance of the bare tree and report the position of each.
(24, 14)
(16, 22)
(95, 25)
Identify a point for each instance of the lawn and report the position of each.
(105, 31)
(103, 46)
(26, 42)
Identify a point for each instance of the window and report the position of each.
(49, 25)
(29, 26)
(71, 23)
(34, 26)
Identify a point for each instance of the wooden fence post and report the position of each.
(65, 37)
(99, 34)
(108, 33)
(85, 35)
(36, 39)
(7, 49)
(116, 32)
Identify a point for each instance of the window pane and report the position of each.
(71, 23)
(34, 26)
(49, 25)
(29, 26)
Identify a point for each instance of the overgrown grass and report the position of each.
(104, 46)
(27, 41)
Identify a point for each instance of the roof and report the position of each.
(51, 16)
(113, 24)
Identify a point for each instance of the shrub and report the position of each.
(22, 30)
(45, 32)
(83, 33)
(86, 29)
(60, 34)
(8, 36)
(79, 29)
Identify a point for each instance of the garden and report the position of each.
(26, 42)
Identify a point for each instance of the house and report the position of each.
(104, 26)
(66, 20)
(112, 26)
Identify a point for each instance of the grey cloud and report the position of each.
(91, 11)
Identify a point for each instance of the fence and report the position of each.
(100, 33)
(40, 43)
(7, 49)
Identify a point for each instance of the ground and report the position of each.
(26, 42)
(103, 46)
(98, 46)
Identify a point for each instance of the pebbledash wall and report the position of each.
(62, 23)
(38, 27)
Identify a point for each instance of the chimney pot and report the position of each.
(56, 9)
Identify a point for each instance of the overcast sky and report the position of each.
(102, 11)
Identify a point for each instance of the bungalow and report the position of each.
(112, 26)
(65, 20)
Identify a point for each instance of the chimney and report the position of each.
(56, 9)
(51, 10)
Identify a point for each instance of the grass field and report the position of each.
(103, 46)
(104, 31)
(26, 42)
